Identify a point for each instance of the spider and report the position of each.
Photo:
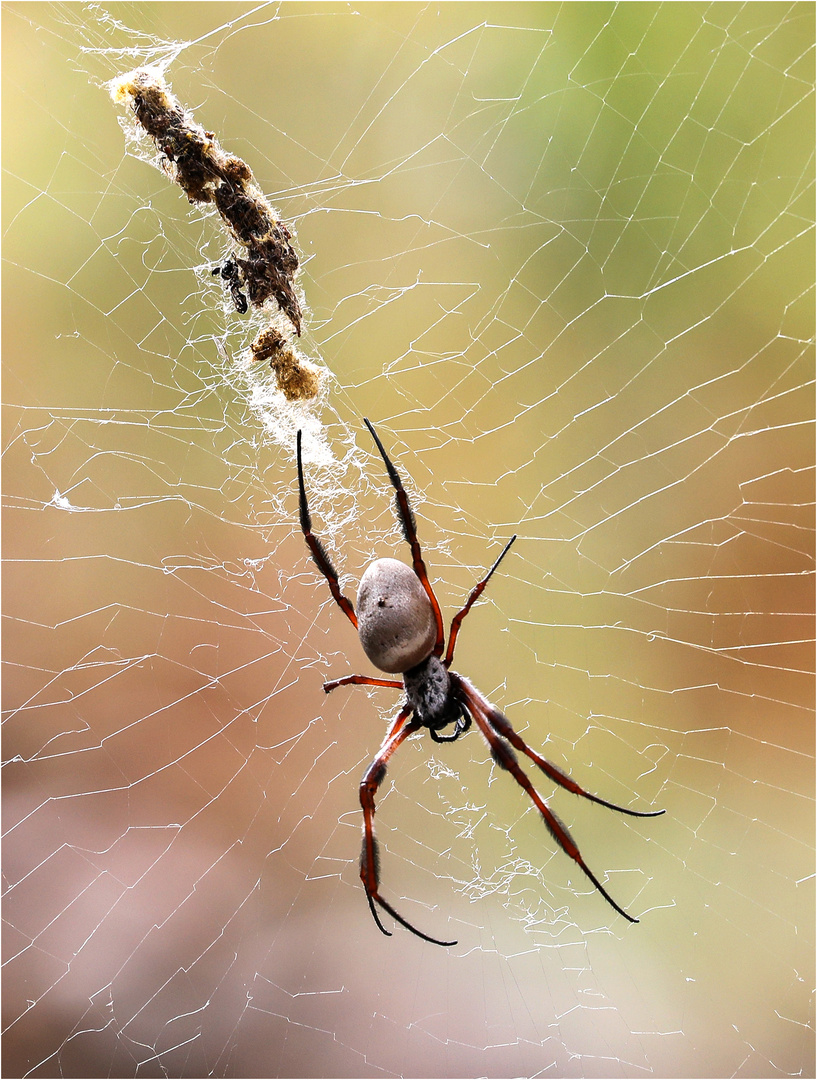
(400, 626)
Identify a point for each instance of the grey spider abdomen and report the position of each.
(395, 620)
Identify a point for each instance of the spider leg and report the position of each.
(369, 856)
(504, 756)
(360, 680)
(476, 592)
(409, 526)
(501, 724)
(322, 560)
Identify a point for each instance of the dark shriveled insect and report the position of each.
(264, 264)
(209, 175)
(401, 630)
(231, 274)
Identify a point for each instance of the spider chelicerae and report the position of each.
(400, 626)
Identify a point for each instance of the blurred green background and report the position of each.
(562, 256)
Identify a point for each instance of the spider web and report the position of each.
(562, 256)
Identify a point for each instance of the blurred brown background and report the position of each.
(562, 256)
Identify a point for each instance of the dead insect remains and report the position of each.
(265, 264)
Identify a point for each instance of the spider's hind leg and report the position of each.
(503, 726)
(501, 747)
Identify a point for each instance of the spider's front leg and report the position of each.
(405, 516)
(369, 856)
(316, 548)
(360, 680)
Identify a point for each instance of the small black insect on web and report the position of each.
(231, 274)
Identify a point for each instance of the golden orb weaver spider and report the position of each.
(400, 626)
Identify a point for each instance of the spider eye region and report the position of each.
(395, 620)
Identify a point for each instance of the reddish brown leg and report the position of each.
(360, 680)
(476, 592)
(322, 560)
(369, 856)
(501, 723)
(409, 526)
(504, 756)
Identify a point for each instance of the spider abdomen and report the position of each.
(395, 620)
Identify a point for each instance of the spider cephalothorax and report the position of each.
(433, 695)
(400, 626)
